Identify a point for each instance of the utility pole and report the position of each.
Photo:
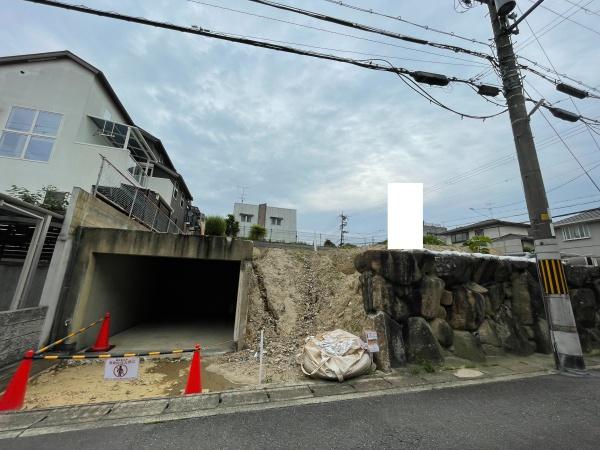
(551, 274)
(343, 225)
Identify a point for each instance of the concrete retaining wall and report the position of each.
(428, 305)
(19, 332)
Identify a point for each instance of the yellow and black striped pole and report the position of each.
(70, 335)
(561, 321)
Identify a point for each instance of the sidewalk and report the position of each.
(38, 422)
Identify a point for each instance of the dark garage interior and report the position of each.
(163, 303)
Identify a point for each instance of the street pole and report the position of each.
(551, 274)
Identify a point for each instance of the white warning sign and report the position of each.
(121, 368)
(372, 344)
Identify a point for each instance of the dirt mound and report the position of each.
(293, 294)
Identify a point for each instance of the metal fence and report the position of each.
(124, 192)
(273, 234)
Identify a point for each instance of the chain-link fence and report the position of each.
(125, 192)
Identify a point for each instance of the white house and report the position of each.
(579, 235)
(58, 114)
(507, 237)
(280, 223)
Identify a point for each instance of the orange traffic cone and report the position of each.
(102, 344)
(14, 396)
(194, 383)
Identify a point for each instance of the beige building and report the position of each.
(507, 237)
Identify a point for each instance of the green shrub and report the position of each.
(48, 197)
(257, 233)
(432, 240)
(215, 226)
(478, 244)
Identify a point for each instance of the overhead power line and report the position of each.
(368, 64)
(551, 25)
(401, 19)
(586, 10)
(370, 29)
(569, 18)
(260, 16)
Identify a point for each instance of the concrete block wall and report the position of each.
(428, 305)
(19, 332)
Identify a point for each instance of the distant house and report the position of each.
(432, 229)
(59, 117)
(507, 237)
(280, 223)
(579, 235)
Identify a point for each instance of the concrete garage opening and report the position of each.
(163, 291)
(162, 303)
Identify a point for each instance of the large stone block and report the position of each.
(399, 267)
(577, 276)
(584, 307)
(496, 294)
(446, 299)
(432, 289)
(392, 352)
(442, 332)
(383, 294)
(503, 271)
(487, 334)
(511, 334)
(422, 344)
(521, 300)
(453, 268)
(467, 346)
(542, 336)
(468, 309)
(485, 270)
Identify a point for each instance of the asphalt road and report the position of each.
(544, 412)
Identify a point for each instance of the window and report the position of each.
(276, 220)
(577, 231)
(479, 232)
(29, 134)
(459, 237)
(246, 218)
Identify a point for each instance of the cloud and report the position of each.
(316, 135)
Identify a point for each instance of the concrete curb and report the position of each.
(103, 415)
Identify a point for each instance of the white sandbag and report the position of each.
(335, 355)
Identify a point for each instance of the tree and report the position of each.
(479, 244)
(257, 232)
(328, 243)
(47, 197)
(432, 240)
(215, 226)
(232, 226)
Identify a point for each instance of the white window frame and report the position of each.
(244, 216)
(276, 221)
(31, 134)
(575, 232)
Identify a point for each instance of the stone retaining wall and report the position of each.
(19, 332)
(428, 305)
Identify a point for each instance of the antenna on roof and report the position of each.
(242, 192)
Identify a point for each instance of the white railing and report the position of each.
(124, 192)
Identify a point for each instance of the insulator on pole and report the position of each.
(434, 79)
(564, 114)
(572, 91)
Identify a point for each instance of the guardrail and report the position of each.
(126, 194)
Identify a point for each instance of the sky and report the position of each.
(325, 137)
